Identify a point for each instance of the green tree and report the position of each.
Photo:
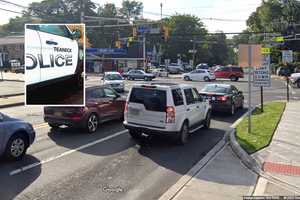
(131, 9)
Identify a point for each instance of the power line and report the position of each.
(15, 4)
(11, 11)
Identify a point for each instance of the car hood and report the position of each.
(113, 81)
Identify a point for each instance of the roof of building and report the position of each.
(12, 40)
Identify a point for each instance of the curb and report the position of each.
(173, 191)
(12, 80)
(254, 164)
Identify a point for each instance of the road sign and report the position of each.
(261, 75)
(279, 39)
(287, 56)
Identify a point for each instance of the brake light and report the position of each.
(126, 107)
(222, 98)
(170, 114)
(78, 115)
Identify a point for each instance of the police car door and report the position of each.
(59, 50)
(33, 49)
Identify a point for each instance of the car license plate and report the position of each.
(59, 114)
(134, 111)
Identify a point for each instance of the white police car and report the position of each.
(52, 54)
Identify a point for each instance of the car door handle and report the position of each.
(50, 42)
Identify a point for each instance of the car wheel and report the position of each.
(206, 79)
(134, 134)
(186, 78)
(147, 79)
(16, 147)
(54, 126)
(232, 109)
(207, 120)
(233, 78)
(92, 123)
(182, 138)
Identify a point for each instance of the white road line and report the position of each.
(27, 167)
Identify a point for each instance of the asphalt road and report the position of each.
(69, 164)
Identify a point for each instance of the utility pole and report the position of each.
(161, 6)
(82, 12)
(144, 51)
(249, 86)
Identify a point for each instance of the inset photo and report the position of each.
(54, 64)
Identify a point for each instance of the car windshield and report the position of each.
(216, 89)
(112, 77)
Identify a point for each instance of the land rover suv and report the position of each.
(168, 109)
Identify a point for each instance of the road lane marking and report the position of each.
(27, 167)
(42, 125)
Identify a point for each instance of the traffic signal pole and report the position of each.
(144, 52)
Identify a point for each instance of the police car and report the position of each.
(52, 55)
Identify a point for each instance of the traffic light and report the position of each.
(165, 33)
(129, 41)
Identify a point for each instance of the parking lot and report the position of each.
(68, 163)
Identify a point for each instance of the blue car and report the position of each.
(15, 137)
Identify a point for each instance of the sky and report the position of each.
(236, 10)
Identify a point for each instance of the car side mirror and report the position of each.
(76, 34)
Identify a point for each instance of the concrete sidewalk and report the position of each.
(11, 88)
(9, 76)
(281, 159)
(6, 102)
(224, 177)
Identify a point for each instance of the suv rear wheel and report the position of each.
(182, 137)
(207, 120)
(16, 146)
(92, 123)
(206, 79)
(134, 134)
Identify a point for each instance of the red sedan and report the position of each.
(102, 104)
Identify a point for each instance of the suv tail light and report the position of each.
(126, 107)
(170, 114)
(222, 98)
(78, 114)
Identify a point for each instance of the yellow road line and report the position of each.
(42, 125)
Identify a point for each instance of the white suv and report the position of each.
(165, 109)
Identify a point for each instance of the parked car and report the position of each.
(159, 72)
(102, 104)
(283, 71)
(199, 75)
(114, 80)
(21, 69)
(295, 79)
(138, 74)
(187, 67)
(165, 109)
(223, 97)
(15, 137)
(232, 73)
(174, 68)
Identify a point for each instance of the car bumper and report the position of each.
(67, 122)
(149, 131)
(220, 106)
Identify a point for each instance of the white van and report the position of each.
(52, 55)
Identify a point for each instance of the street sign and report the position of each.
(287, 56)
(279, 39)
(261, 75)
(261, 78)
(265, 50)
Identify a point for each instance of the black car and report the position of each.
(223, 97)
(284, 71)
(138, 74)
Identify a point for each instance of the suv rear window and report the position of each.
(177, 97)
(153, 100)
